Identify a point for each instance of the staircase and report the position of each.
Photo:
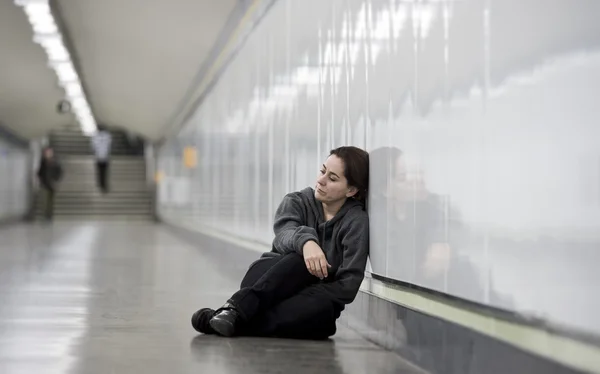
(78, 196)
(72, 142)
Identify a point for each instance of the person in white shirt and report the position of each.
(101, 142)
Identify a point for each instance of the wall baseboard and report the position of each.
(438, 345)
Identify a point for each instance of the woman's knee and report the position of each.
(255, 271)
(295, 255)
(292, 262)
(295, 260)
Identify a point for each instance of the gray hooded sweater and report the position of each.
(344, 240)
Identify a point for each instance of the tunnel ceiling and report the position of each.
(137, 59)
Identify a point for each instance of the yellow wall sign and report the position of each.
(158, 176)
(190, 157)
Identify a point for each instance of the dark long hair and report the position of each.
(356, 169)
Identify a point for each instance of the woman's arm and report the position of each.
(290, 231)
(349, 276)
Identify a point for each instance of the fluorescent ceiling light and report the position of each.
(47, 34)
(65, 71)
(78, 103)
(43, 25)
(53, 46)
(89, 131)
(73, 90)
(40, 17)
(35, 8)
(64, 84)
(58, 54)
(87, 120)
(84, 113)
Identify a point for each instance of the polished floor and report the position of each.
(117, 298)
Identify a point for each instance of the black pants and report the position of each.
(102, 171)
(278, 298)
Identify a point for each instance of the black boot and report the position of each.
(200, 320)
(225, 320)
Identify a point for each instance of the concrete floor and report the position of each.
(117, 298)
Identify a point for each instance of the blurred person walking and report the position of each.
(101, 142)
(49, 174)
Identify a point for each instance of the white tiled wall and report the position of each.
(493, 104)
(14, 182)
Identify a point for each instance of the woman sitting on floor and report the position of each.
(316, 264)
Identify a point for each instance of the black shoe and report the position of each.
(225, 320)
(200, 320)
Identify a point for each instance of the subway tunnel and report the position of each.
(480, 118)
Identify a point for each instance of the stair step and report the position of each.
(94, 190)
(113, 183)
(118, 178)
(114, 186)
(71, 142)
(97, 212)
(112, 218)
(85, 174)
(120, 158)
(83, 152)
(85, 144)
(115, 161)
(79, 139)
(121, 179)
(98, 194)
(114, 164)
(91, 169)
(85, 204)
(101, 219)
(103, 206)
(108, 199)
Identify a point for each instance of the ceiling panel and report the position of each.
(138, 57)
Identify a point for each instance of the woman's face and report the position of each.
(332, 185)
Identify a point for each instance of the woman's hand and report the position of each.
(315, 260)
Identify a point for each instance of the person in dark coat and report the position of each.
(49, 174)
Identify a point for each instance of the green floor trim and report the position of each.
(567, 351)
